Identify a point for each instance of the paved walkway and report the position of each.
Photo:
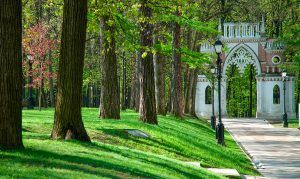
(275, 151)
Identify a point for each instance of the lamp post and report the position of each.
(284, 116)
(220, 127)
(213, 117)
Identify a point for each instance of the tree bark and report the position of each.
(147, 90)
(30, 99)
(135, 85)
(189, 89)
(159, 77)
(68, 120)
(177, 102)
(11, 74)
(124, 88)
(51, 83)
(251, 91)
(110, 92)
(194, 90)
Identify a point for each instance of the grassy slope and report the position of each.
(115, 154)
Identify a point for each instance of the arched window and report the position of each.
(208, 95)
(276, 95)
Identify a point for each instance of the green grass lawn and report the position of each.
(293, 123)
(115, 154)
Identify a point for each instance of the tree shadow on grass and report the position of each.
(46, 159)
(150, 142)
(37, 136)
(155, 160)
(171, 147)
(209, 155)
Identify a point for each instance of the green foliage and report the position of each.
(238, 92)
(114, 153)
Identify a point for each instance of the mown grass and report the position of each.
(293, 123)
(115, 154)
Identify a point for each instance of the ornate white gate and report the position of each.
(247, 45)
(241, 56)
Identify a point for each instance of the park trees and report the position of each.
(68, 120)
(176, 29)
(159, 61)
(110, 93)
(37, 45)
(11, 74)
(147, 89)
(177, 101)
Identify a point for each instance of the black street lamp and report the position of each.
(284, 116)
(213, 117)
(220, 127)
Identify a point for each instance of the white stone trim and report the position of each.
(254, 60)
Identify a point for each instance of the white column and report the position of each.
(237, 30)
(262, 30)
(244, 28)
(251, 31)
(223, 97)
(220, 26)
(259, 89)
(290, 100)
(225, 31)
(257, 30)
(230, 31)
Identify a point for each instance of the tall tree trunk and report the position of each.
(30, 90)
(110, 91)
(177, 102)
(51, 83)
(124, 89)
(138, 82)
(193, 95)
(159, 77)
(170, 90)
(186, 75)
(135, 85)
(11, 74)
(147, 90)
(91, 96)
(189, 89)
(40, 98)
(189, 92)
(41, 88)
(51, 88)
(68, 120)
(251, 91)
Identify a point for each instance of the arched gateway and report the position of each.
(248, 46)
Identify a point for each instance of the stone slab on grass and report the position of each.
(137, 133)
(225, 172)
(196, 164)
(252, 177)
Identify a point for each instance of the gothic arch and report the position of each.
(276, 94)
(242, 55)
(208, 95)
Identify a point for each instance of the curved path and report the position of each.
(274, 151)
